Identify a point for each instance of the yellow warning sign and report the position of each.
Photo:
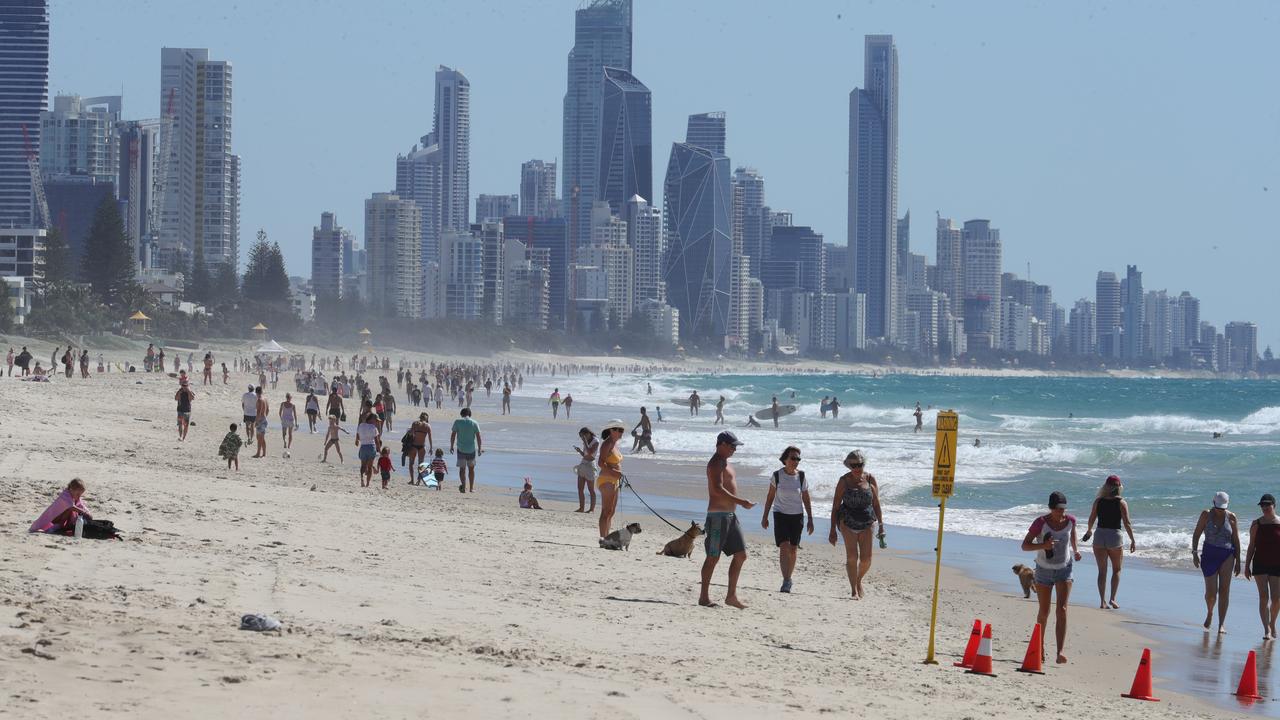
(944, 454)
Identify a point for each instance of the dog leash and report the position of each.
(627, 482)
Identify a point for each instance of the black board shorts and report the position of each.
(787, 528)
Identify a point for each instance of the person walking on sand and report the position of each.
(466, 434)
(1110, 511)
(288, 420)
(1221, 544)
(1052, 538)
(585, 470)
(723, 532)
(854, 511)
(423, 443)
(184, 396)
(368, 440)
(312, 407)
(331, 439)
(790, 492)
(1263, 564)
(249, 406)
(719, 412)
(261, 412)
(9, 362)
(609, 481)
(555, 403)
(919, 415)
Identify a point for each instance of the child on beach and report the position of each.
(229, 450)
(527, 500)
(385, 466)
(439, 468)
(331, 439)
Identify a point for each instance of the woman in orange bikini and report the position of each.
(610, 479)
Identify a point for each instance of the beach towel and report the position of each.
(61, 504)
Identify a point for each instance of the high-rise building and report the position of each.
(496, 207)
(452, 131)
(24, 94)
(78, 137)
(982, 259)
(873, 187)
(1132, 314)
(1243, 346)
(707, 130)
(73, 202)
(1157, 329)
(837, 264)
(1107, 314)
(1187, 335)
(699, 266)
(1082, 329)
(200, 193)
(1015, 336)
(526, 287)
(796, 260)
(751, 183)
(602, 38)
(139, 156)
(392, 239)
(326, 257)
(647, 238)
(626, 141)
(462, 267)
(538, 189)
(494, 246)
(420, 178)
(904, 244)
(610, 252)
(552, 236)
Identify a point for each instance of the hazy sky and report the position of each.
(1092, 134)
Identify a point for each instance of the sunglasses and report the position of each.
(855, 465)
(795, 458)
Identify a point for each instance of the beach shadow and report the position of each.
(639, 600)
(789, 646)
(551, 542)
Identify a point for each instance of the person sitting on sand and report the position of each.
(60, 517)
(229, 450)
(527, 500)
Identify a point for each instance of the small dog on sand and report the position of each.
(683, 545)
(1026, 576)
(620, 539)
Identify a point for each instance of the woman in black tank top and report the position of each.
(1110, 512)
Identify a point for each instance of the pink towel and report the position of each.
(59, 506)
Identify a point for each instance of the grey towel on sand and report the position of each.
(259, 623)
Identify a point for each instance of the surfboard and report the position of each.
(683, 402)
(767, 413)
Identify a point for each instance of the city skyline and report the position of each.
(1051, 202)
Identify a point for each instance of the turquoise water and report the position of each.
(1038, 435)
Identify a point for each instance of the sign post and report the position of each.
(944, 477)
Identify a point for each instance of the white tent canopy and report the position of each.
(271, 348)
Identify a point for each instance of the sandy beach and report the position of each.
(416, 603)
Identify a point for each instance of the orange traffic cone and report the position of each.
(1248, 687)
(1031, 661)
(971, 650)
(982, 662)
(1141, 689)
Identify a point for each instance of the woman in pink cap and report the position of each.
(1110, 511)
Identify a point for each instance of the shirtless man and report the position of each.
(723, 533)
(694, 403)
(645, 438)
(288, 420)
(422, 441)
(334, 404)
(261, 411)
(719, 411)
(775, 410)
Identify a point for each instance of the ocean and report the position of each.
(1038, 434)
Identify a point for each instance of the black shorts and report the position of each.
(248, 420)
(1259, 569)
(787, 528)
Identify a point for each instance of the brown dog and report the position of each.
(1026, 576)
(683, 545)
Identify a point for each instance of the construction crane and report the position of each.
(160, 177)
(42, 219)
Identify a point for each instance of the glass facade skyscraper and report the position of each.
(698, 206)
(626, 140)
(24, 93)
(873, 187)
(707, 130)
(602, 38)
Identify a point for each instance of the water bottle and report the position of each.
(79, 526)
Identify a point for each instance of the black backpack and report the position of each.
(100, 530)
(776, 478)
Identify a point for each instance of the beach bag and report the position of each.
(100, 530)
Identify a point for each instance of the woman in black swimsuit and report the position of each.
(855, 510)
(1263, 564)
